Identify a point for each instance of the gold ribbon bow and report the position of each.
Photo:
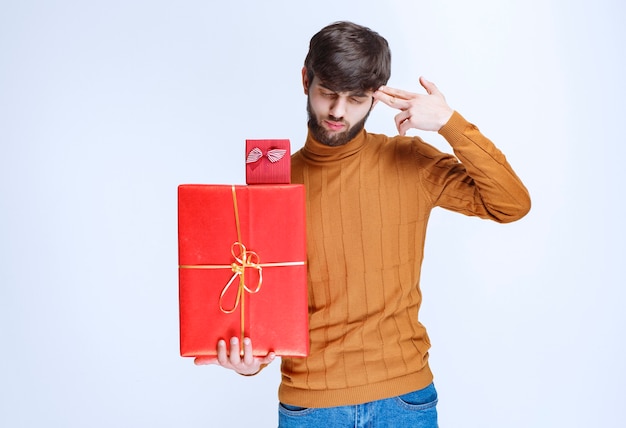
(245, 259)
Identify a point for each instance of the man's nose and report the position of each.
(338, 108)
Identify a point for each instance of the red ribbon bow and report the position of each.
(273, 155)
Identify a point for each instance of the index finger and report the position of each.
(397, 93)
(248, 356)
(395, 98)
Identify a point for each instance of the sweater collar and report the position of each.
(315, 151)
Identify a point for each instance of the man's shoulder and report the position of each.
(296, 156)
(405, 148)
(380, 141)
(394, 144)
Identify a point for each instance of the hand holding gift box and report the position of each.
(242, 257)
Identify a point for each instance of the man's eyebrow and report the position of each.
(358, 93)
(321, 85)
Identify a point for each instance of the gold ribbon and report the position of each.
(243, 259)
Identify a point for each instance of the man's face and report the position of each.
(336, 117)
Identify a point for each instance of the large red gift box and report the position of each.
(242, 268)
(268, 162)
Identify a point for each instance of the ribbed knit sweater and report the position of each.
(368, 203)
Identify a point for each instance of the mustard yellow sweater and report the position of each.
(368, 204)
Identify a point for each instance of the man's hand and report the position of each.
(245, 365)
(427, 112)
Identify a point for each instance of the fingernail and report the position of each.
(247, 341)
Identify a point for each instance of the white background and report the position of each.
(106, 106)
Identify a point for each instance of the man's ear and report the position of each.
(305, 81)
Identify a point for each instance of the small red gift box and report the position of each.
(242, 260)
(268, 162)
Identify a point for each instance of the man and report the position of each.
(369, 198)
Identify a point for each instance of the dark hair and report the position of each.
(348, 57)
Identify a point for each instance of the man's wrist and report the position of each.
(446, 118)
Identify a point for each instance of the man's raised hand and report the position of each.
(426, 112)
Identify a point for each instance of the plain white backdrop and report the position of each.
(106, 106)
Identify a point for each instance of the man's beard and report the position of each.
(333, 139)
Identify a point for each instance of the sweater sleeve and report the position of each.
(483, 183)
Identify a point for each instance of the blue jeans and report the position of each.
(415, 409)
